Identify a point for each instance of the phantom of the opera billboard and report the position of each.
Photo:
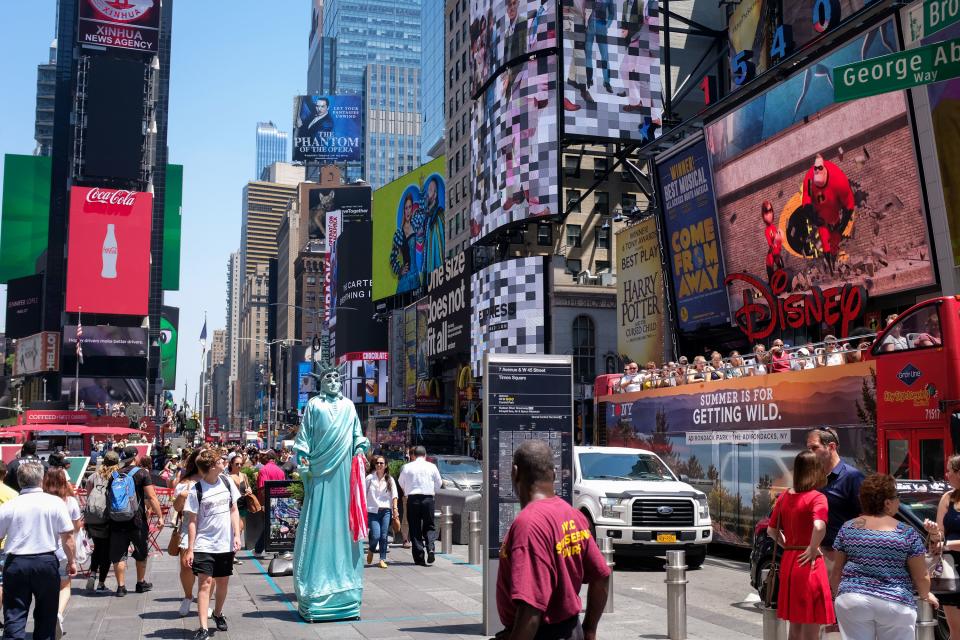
(327, 128)
(818, 200)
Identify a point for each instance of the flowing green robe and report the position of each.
(327, 563)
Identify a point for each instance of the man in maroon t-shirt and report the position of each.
(547, 554)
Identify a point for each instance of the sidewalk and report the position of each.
(402, 602)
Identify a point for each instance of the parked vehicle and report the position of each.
(632, 497)
(462, 473)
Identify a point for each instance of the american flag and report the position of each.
(79, 347)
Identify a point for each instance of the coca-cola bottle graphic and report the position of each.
(109, 254)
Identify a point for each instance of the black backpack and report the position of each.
(226, 483)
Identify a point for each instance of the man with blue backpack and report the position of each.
(129, 491)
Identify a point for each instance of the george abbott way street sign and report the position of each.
(931, 16)
(896, 71)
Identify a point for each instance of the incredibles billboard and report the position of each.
(819, 204)
(693, 240)
(133, 25)
(327, 128)
(108, 251)
(409, 240)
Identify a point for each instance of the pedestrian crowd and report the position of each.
(846, 562)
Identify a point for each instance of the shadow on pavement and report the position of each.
(449, 629)
(170, 634)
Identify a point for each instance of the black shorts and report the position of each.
(122, 535)
(218, 565)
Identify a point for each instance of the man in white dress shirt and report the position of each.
(34, 524)
(420, 480)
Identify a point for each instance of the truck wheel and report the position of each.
(593, 527)
(695, 559)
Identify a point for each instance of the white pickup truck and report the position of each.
(633, 498)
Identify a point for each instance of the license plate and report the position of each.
(666, 537)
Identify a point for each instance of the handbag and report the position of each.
(770, 589)
(253, 505)
(941, 565)
(395, 525)
(83, 547)
(173, 547)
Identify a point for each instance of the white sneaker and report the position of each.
(59, 630)
(184, 607)
(209, 612)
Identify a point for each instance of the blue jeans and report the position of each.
(597, 32)
(379, 528)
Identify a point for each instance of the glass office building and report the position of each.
(392, 133)
(432, 74)
(271, 146)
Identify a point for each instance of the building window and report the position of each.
(601, 202)
(602, 236)
(571, 166)
(573, 200)
(544, 235)
(584, 349)
(574, 266)
(628, 201)
(573, 235)
(600, 167)
(602, 265)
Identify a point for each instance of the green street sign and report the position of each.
(926, 19)
(897, 71)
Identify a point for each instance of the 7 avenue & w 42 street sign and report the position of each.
(896, 71)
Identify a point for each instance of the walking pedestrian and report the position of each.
(420, 480)
(798, 524)
(879, 563)
(97, 524)
(6, 494)
(28, 453)
(381, 508)
(842, 488)
(35, 525)
(214, 536)
(190, 475)
(269, 471)
(56, 483)
(546, 556)
(131, 489)
(948, 530)
(239, 479)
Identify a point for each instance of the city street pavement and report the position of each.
(408, 602)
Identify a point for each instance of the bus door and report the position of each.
(915, 376)
(914, 454)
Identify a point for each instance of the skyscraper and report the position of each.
(264, 205)
(392, 137)
(46, 86)
(432, 78)
(232, 355)
(457, 142)
(271, 147)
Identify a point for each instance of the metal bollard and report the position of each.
(773, 627)
(926, 621)
(676, 582)
(606, 548)
(446, 530)
(474, 555)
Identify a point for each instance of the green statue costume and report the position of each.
(328, 564)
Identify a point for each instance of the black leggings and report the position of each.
(100, 558)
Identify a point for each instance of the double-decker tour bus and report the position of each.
(897, 409)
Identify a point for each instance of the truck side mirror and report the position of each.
(684, 477)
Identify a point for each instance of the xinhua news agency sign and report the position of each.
(897, 71)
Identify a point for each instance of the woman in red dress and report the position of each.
(798, 524)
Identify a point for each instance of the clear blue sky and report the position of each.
(233, 64)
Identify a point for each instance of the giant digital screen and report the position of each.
(503, 31)
(172, 218)
(814, 195)
(24, 304)
(106, 341)
(509, 309)
(102, 391)
(515, 162)
(352, 316)
(169, 330)
(113, 136)
(26, 215)
(108, 251)
(409, 237)
(133, 25)
(327, 128)
(315, 203)
(611, 66)
(365, 380)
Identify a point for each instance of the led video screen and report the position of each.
(113, 137)
(106, 341)
(515, 169)
(813, 194)
(611, 63)
(503, 31)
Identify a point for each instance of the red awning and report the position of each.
(73, 428)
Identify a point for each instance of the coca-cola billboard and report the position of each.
(121, 24)
(108, 255)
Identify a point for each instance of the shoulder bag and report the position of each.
(173, 547)
(770, 589)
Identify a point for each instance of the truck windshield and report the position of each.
(623, 466)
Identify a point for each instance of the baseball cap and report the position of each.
(683, 360)
(130, 452)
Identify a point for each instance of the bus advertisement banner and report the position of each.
(641, 329)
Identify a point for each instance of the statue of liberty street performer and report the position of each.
(328, 564)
